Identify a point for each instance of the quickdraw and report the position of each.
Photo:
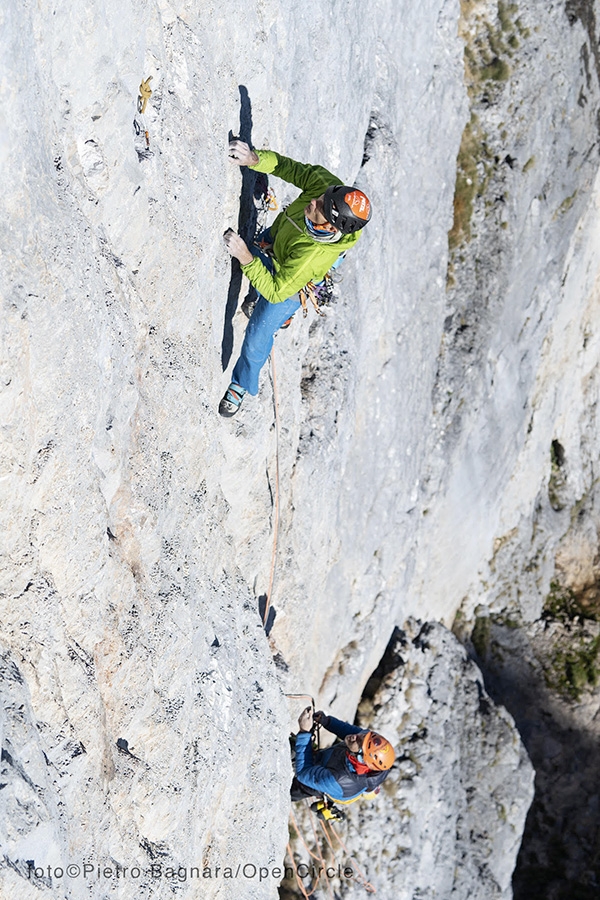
(310, 292)
(264, 202)
(145, 94)
(271, 203)
(139, 122)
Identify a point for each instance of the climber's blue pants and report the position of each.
(265, 320)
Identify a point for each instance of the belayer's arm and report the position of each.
(339, 728)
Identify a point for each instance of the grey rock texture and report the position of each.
(524, 300)
(517, 360)
(449, 818)
(531, 670)
(143, 716)
(546, 673)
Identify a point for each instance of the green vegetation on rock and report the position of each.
(488, 48)
(566, 205)
(563, 605)
(480, 636)
(572, 665)
(467, 181)
(574, 669)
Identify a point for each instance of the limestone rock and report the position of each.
(415, 420)
(449, 818)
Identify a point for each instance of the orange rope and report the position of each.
(295, 824)
(366, 884)
(300, 885)
(327, 830)
(276, 511)
(322, 824)
(317, 844)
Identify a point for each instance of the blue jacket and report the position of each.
(330, 771)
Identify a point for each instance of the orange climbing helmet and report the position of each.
(377, 752)
(346, 207)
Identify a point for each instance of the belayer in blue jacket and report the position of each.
(359, 763)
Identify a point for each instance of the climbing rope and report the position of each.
(299, 833)
(298, 879)
(328, 831)
(363, 878)
(322, 824)
(276, 505)
(318, 857)
(310, 853)
(321, 859)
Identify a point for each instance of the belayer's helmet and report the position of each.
(346, 207)
(377, 752)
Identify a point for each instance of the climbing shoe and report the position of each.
(250, 302)
(286, 324)
(232, 400)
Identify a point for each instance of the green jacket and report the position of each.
(297, 258)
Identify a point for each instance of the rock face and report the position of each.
(540, 672)
(449, 818)
(143, 716)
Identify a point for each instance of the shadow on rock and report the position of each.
(247, 219)
(560, 852)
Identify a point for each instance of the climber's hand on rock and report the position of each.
(237, 247)
(320, 717)
(241, 155)
(305, 722)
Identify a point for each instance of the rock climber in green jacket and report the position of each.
(304, 242)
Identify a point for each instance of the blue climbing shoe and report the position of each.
(232, 400)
